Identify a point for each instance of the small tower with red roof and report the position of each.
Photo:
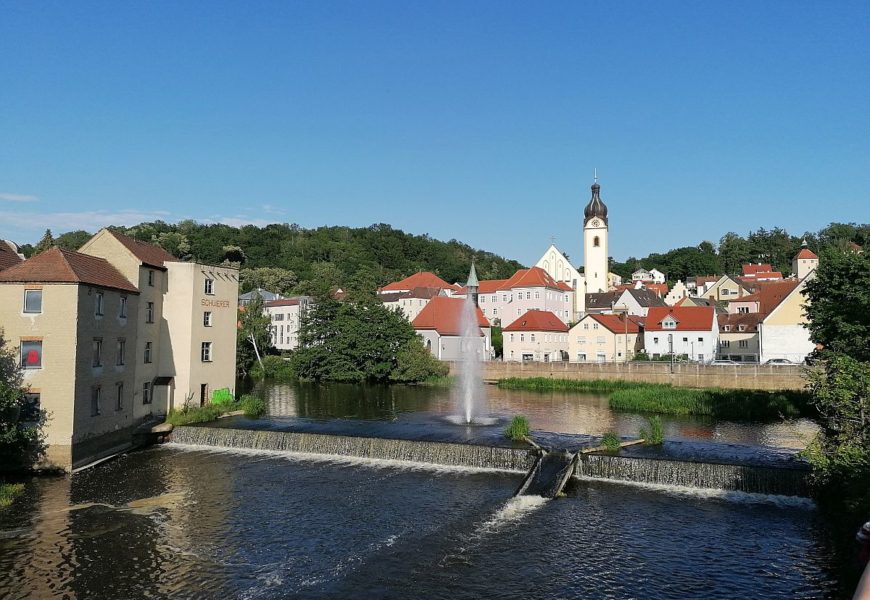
(804, 261)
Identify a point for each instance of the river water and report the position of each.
(176, 522)
(561, 412)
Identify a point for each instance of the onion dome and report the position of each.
(596, 208)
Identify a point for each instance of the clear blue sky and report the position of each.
(480, 121)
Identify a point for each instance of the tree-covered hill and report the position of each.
(288, 258)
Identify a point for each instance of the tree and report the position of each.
(173, 242)
(21, 437)
(45, 243)
(275, 279)
(351, 341)
(253, 323)
(414, 364)
(72, 240)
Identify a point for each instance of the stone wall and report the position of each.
(758, 377)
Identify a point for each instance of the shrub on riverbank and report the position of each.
(251, 405)
(8, 492)
(273, 368)
(653, 433)
(611, 442)
(518, 428)
(545, 384)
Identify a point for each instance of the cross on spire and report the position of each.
(595, 174)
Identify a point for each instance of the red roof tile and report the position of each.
(564, 286)
(488, 286)
(617, 323)
(769, 294)
(423, 279)
(444, 315)
(65, 266)
(751, 269)
(283, 302)
(537, 320)
(534, 277)
(659, 288)
(151, 255)
(688, 318)
(733, 322)
(8, 257)
(807, 253)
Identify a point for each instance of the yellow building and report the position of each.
(605, 338)
(73, 319)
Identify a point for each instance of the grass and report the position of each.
(653, 433)
(439, 381)
(8, 492)
(659, 398)
(611, 441)
(251, 405)
(518, 428)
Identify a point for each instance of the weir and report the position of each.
(728, 476)
(549, 474)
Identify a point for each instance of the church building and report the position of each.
(596, 276)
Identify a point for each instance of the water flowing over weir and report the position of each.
(749, 478)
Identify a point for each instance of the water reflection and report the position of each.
(560, 412)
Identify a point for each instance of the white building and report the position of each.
(692, 331)
(439, 324)
(605, 338)
(637, 301)
(505, 300)
(651, 276)
(596, 266)
(804, 262)
(285, 316)
(557, 266)
(536, 336)
(783, 333)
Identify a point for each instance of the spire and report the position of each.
(595, 208)
(472, 277)
(804, 243)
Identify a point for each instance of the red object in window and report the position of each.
(32, 357)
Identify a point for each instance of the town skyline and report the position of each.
(491, 116)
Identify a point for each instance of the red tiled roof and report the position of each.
(444, 315)
(659, 288)
(151, 255)
(769, 294)
(688, 318)
(734, 320)
(8, 257)
(617, 323)
(806, 253)
(537, 320)
(534, 277)
(751, 269)
(282, 302)
(702, 279)
(65, 266)
(488, 286)
(564, 286)
(423, 279)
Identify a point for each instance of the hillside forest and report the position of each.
(287, 258)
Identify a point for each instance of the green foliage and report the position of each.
(839, 303)
(252, 406)
(222, 396)
(275, 279)
(497, 342)
(354, 342)
(274, 368)
(173, 242)
(518, 428)
(611, 441)
(8, 492)
(21, 444)
(45, 243)
(653, 432)
(415, 364)
(738, 405)
(254, 323)
(543, 384)
(72, 240)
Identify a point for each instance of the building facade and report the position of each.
(605, 338)
(285, 316)
(596, 264)
(538, 336)
(690, 331)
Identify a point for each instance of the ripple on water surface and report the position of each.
(167, 523)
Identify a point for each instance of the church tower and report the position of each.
(595, 257)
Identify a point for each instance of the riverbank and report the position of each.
(8, 492)
(250, 406)
(640, 397)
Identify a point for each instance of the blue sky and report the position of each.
(480, 121)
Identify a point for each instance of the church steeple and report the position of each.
(472, 285)
(595, 208)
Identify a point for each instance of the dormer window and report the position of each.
(726, 328)
(741, 328)
(669, 324)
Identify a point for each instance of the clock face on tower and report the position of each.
(596, 222)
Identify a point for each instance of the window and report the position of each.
(669, 324)
(123, 310)
(33, 301)
(537, 295)
(206, 352)
(685, 339)
(149, 312)
(655, 340)
(494, 298)
(532, 337)
(595, 326)
(98, 352)
(522, 337)
(743, 309)
(596, 241)
(146, 392)
(121, 353)
(741, 328)
(599, 339)
(209, 286)
(147, 353)
(151, 278)
(600, 357)
(581, 340)
(30, 409)
(581, 357)
(700, 339)
(31, 354)
(585, 325)
(744, 343)
(119, 396)
(726, 328)
(278, 317)
(528, 295)
(725, 344)
(495, 311)
(98, 304)
(512, 337)
(206, 318)
(96, 397)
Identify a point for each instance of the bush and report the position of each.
(415, 364)
(542, 384)
(518, 428)
(252, 406)
(8, 491)
(653, 433)
(275, 368)
(611, 442)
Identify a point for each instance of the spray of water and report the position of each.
(471, 351)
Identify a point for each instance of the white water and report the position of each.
(470, 390)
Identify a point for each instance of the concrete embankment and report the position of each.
(756, 377)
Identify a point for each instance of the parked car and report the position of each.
(724, 362)
(778, 362)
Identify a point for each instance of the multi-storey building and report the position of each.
(285, 318)
(73, 319)
(690, 331)
(538, 335)
(605, 338)
(505, 300)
